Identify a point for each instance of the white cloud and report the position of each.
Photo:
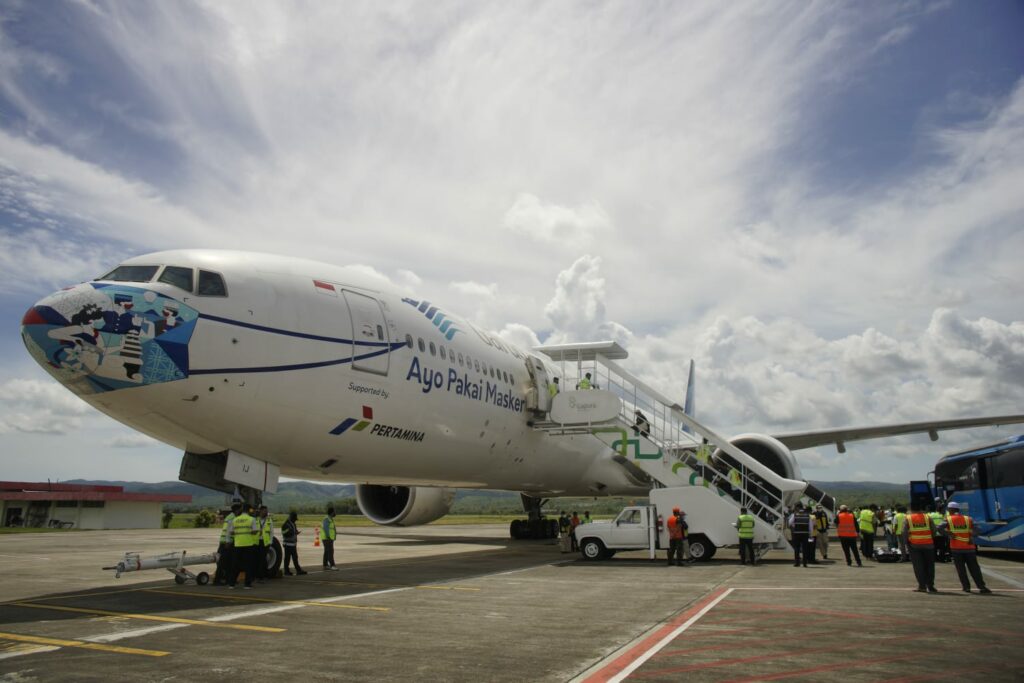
(133, 441)
(577, 310)
(40, 407)
(557, 224)
(475, 289)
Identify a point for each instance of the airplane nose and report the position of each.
(98, 337)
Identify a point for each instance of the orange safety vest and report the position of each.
(960, 526)
(675, 529)
(846, 527)
(920, 530)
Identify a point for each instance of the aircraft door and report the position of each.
(539, 377)
(370, 340)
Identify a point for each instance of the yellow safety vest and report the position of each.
(704, 453)
(244, 533)
(584, 383)
(330, 532)
(960, 526)
(867, 521)
(936, 518)
(920, 530)
(900, 520)
(224, 528)
(553, 389)
(745, 526)
(267, 530)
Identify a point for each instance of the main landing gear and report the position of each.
(536, 526)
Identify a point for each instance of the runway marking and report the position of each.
(81, 644)
(626, 663)
(246, 598)
(134, 633)
(150, 617)
(1002, 577)
(22, 649)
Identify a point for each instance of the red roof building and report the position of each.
(81, 506)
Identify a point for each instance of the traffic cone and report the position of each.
(316, 538)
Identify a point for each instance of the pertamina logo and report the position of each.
(443, 323)
(377, 428)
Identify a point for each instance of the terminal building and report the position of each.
(81, 506)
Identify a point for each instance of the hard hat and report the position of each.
(675, 509)
(954, 504)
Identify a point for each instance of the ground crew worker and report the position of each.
(243, 531)
(225, 547)
(961, 532)
(265, 537)
(846, 529)
(745, 531)
(585, 382)
(868, 523)
(328, 532)
(290, 536)
(586, 517)
(553, 387)
(676, 535)
(802, 528)
(821, 531)
(574, 522)
(735, 482)
(899, 523)
(941, 542)
(704, 458)
(919, 532)
(564, 532)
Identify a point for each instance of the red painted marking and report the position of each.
(367, 413)
(32, 317)
(323, 285)
(614, 667)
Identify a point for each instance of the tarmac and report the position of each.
(464, 603)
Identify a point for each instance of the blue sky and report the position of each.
(819, 202)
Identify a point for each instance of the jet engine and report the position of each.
(769, 452)
(403, 505)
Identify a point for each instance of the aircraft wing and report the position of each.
(839, 437)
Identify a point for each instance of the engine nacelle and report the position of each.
(769, 452)
(403, 505)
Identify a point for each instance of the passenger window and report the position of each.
(441, 349)
(476, 365)
(131, 274)
(433, 349)
(505, 375)
(460, 360)
(211, 284)
(177, 276)
(408, 340)
(423, 347)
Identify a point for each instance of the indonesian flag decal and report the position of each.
(325, 288)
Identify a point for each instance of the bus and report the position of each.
(988, 483)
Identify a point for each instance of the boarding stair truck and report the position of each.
(661, 447)
(644, 527)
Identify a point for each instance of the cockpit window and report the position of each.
(177, 276)
(131, 274)
(211, 284)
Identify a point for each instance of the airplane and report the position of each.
(258, 366)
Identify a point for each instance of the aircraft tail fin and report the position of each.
(688, 406)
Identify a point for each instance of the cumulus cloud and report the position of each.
(40, 407)
(553, 223)
(133, 441)
(577, 310)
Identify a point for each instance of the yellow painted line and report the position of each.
(78, 643)
(246, 598)
(151, 617)
(391, 585)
